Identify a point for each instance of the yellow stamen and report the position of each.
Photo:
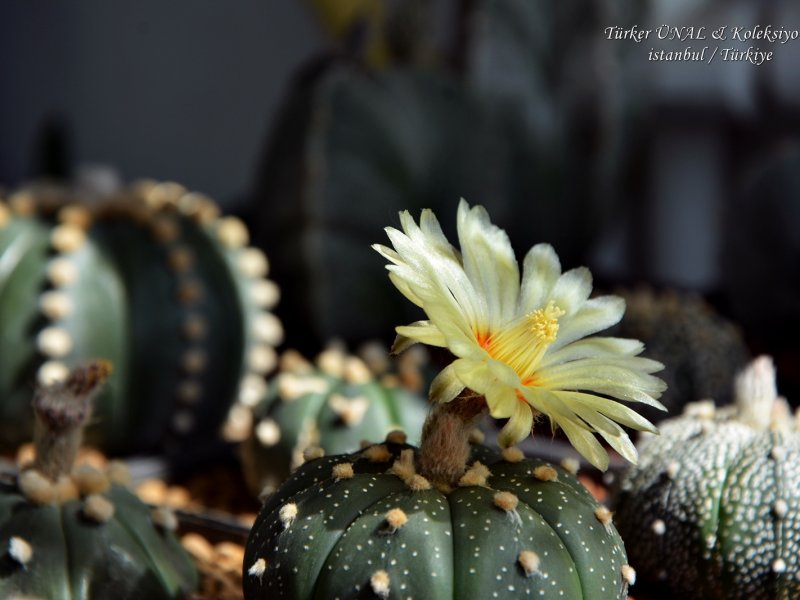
(522, 343)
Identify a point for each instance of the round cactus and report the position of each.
(78, 533)
(332, 407)
(150, 278)
(702, 350)
(713, 509)
(369, 525)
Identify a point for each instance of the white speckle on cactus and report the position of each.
(55, 305)
(573, 465)
(52, 372)
(238, 423)
(36, 487)
(545, 473)
(778, 453)
(20, 550)
(529, 561)
(189, 292)
(98, 508)
(628, 574)
(165, 518)
(61, 272)
(67, 238)
(779, 566)
(379, 582)
(292, 361)
(54, 342)
(755, 393)
(75, 215)
(164, 229)
(267, 329)
(343, 471)
(264, 293)
(231, 232)
(268, 432)
(253, 262)
(258, 568)
(513, 454)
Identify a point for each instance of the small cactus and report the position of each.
(370, 525)
(329, 408)
(78, 533)
(712, 511)
(150, 277)
(702, 351)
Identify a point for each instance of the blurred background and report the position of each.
(317, 121)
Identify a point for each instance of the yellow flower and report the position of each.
(521, 343)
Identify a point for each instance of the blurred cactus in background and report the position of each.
(499, 109)
(154, 280)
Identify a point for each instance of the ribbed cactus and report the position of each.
(712, 511)
(150, 278)
(78, 533)
(368, 525)
(331, 406)
(701, 350)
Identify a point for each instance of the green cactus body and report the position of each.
(332, 406)
(367, 525)
(76, 552)
(713, 508)
(150, 279)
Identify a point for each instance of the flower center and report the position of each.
(523, 342)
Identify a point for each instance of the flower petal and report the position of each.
(614, 410)
(572, 290)
(595, 315)
(594, 347)
(424, 332)
(489, 262)
(446, 385)
(518, 426)
(540, 272)
(502, 401)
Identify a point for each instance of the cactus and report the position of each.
(79, 533)
(150, 278)
(702, 350)
(368, 525)
(712, 510)
(332, 407)
(450, 519)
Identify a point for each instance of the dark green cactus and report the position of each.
(701, 350)
(150, 278)
(367, 525)
(712, 511)
(79, 533)
(331, 406)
